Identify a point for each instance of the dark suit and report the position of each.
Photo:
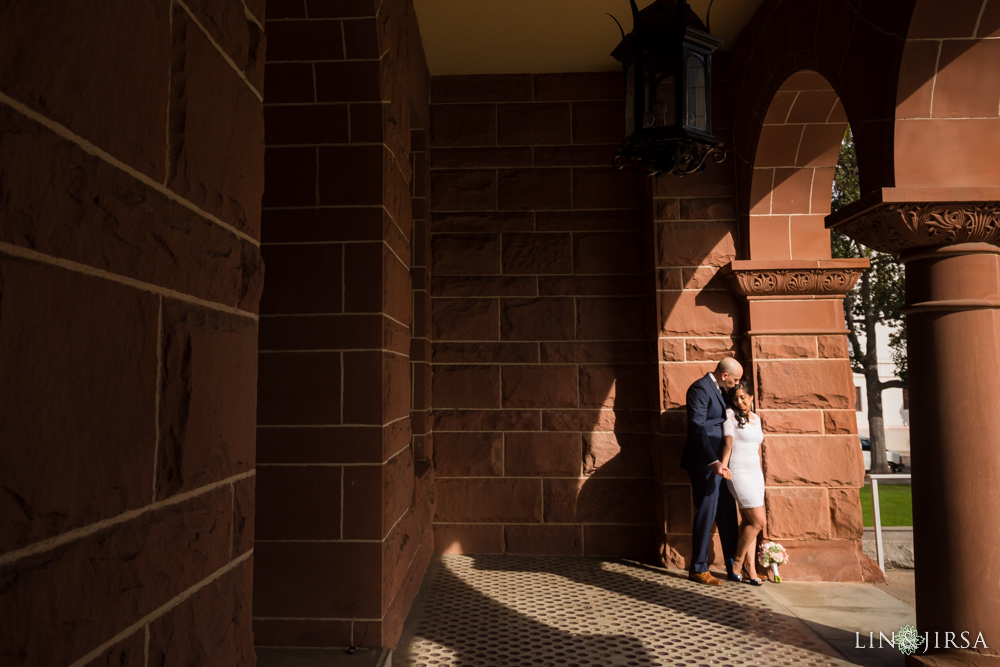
(706, 412)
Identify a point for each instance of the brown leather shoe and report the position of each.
(704, 578)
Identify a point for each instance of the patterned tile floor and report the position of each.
(491, 611)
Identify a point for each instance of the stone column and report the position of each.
(953, 346)
(796, 344)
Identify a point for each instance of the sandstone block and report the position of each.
(698, 314)
(675, 379)
(481, 223)
(485, 353)
(350, 81)
(597, 500)
(317, 579)
(534, 189)
(548, 319)
(591, 221)
(322, 444)
(129, 652)
(798, 513)
(792, 421)
(292, 266)
(241, 38)
(78, 400)
(215, 623)
(452, 538)
(824, 560)
(708, 208)
(832, 347)
(481, 157)
(397, 378)
(361, 185)
(605, 187)
(695, 243)
(123, 114)
(606, 253)
(670, 279)
(672, 422)
(127, 570)
(463, 125)
(465, 319)
(703, 277)
(542, 454)
(679, 507)
(598, 122)
(672, 349)
(306, 40)
(363, 278)
(784, 347)
(574, 156)
(464, 190)
(349, 331)
(619, 421)
(540, 387)
(533, 124)
(297, 632)
(610, 319)
(840, 422)
(216, 153)
(544, 540)
(543, 253)
(290, 176)
(298, 388)
(482, 88)
(465, 254)
(666, 459)
(624, 386)
(486, 420)
(805, 384)
(243, 515)
(489, 500)
(363, 386)
(207, 397)
(815, 460)
(298, 502)
(616, 455)
(611, 352)
(709, 349)
(845, 514)
(468, 454)
(591, 285)
(466, 387)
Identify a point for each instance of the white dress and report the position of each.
(747, 484)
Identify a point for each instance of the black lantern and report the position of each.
(667, 60)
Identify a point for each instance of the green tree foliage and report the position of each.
(876, 299)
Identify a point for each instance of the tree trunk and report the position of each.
(873, 385)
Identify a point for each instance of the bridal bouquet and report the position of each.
(772, 554)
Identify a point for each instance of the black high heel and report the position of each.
(745, 576)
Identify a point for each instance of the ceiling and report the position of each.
(539, 36)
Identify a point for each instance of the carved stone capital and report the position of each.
(895, 227)
(831, 277)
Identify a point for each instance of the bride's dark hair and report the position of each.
(741, 417)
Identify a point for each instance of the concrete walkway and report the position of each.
(484, 611)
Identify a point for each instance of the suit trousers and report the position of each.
(713, 504)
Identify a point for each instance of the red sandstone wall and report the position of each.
(343, 512)
(131, 168)
(540, 355)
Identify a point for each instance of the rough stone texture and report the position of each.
(793, 421)
(596, 500)
(65, 433)
(543, 539)
(129, 652)
(542, 455)
(805, 384)
(824, 560)
(243, 515)
(123, 114)
(64, 202)
(798, 513)
(213, 626)
(540, 387)
(216, 131)
(845, 514)
(468, 538)
(840, 422)
(127, 570)
(466, 387)
(813, 460)
(207, 397)
(300, 502)
(488, 500)
(468, 454)
(784, 347)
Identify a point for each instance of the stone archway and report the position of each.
(796, 335)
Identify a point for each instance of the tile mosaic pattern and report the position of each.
(486, 611)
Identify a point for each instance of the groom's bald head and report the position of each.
(728, 373)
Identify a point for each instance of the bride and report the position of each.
(742, 435)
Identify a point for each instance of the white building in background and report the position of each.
(896, 413)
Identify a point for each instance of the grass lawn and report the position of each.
(894, 501)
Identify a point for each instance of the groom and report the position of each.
(706, 411)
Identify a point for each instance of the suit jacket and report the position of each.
(706, 412)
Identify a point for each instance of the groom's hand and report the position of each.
(721, 470)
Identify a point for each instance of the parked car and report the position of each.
(894, 459)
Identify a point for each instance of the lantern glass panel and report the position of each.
(697, 91)
(660, 108)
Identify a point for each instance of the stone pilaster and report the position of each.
(953, 325)
(796, 344)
